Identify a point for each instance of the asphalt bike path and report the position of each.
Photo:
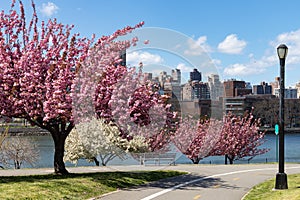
(204, 182)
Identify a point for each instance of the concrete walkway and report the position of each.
(209, 182)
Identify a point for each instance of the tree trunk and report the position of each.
(59, 145)
(226, 157)
(231, 159)
(195, 160)
(16, 161)
(17, 165)
(59, 131)
(96, 161)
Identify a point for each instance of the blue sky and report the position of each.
(240, 37)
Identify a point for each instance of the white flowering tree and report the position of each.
(17, 150)
(98, 138)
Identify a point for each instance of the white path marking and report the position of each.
(204, 178)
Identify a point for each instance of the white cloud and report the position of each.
(242, 70)
(270, 59)
(184, 68)
(292, 40)
(197, 47)
(49, 9)
(134, 58)
(253, 67)
(232, 45)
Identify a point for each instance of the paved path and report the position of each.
(209, 182)
(205, 182)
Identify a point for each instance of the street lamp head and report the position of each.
(282, 51)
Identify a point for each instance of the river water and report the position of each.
(292, 153)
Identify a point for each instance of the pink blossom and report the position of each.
(40, 72)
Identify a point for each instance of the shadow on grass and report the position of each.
(188, 182)
(127, 180)
(111, 179)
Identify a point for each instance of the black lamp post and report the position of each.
(281, 177)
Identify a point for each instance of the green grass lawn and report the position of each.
(265, 190)
(75, 186)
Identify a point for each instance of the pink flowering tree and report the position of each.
(133, 118)
(139, 110)
(121, 95)
(196, 139)
(235, 138)
(40, 66)
(240, 138)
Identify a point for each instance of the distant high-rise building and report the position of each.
(195, 90)
(195, 75)
(215, 86)
(176, 76)
(200, 90)
(162, 77)
(187, 90)
(148, 76)
(173, 90)
(233, 88)
(263, 88)
(275, 84)
(168, 84)
(298, 88)
(123, 57)
(289, 93)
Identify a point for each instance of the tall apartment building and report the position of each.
(275, 84)
(169, 84)
(216, 88)
(195, 75)
(201, 90)
(176, 76)
(173, 90)
(186, 92)
(162, 78)
(195, 90)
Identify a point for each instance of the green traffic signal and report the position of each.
(276, 129)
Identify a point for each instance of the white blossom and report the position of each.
(98, 138)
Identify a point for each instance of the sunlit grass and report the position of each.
(266, 190)
(75, 186)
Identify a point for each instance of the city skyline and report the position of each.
(214, 88)
(239, 37)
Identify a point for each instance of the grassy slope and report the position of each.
(265, 190)
(75, 186)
